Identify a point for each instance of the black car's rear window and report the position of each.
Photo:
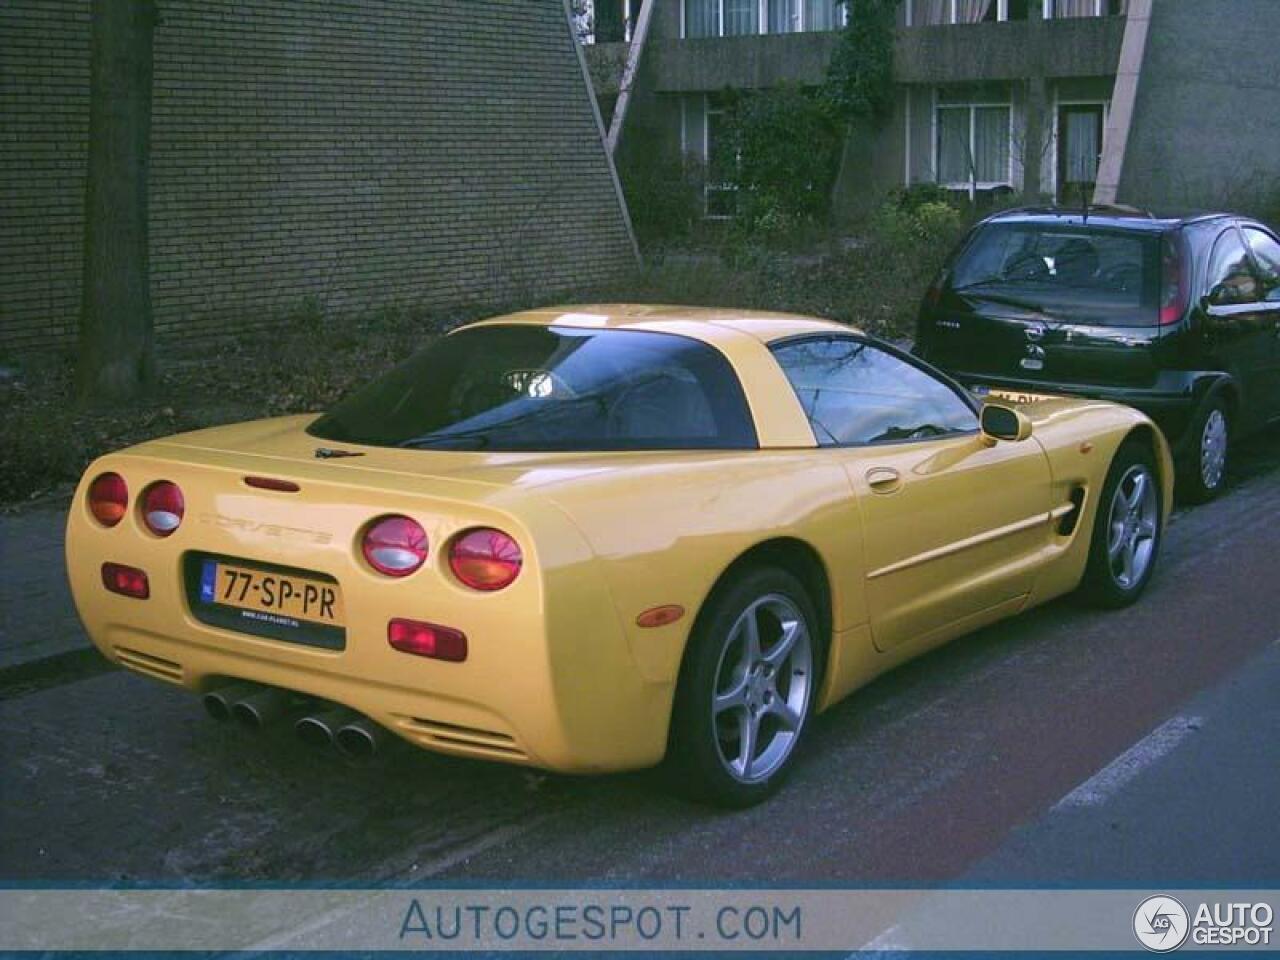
(1082, 274)
(522, 387)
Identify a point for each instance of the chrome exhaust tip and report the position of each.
(318, 729)
(262, 706)
(219, 703)
(359, 739)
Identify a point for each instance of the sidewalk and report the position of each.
(37, 618)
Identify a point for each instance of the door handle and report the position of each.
(883, 479)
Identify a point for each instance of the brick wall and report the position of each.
(438, 152)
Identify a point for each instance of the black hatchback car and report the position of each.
(1177, 316)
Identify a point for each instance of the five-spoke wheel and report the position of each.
(746, 688)
(762, 688)
(1127, 529)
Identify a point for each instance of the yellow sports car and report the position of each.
(591, 538)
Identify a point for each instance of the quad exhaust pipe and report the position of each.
(254, 706)
(220, 703)
(251, 705)
(320, 729)
(261, 707)
(359, 739)
(354, 736)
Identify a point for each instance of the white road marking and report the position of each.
(886, 942)
(1108, 781)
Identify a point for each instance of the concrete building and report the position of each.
(1154, 102)
(433, 152)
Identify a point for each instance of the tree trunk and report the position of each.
(116, 352)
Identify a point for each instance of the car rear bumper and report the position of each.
(550, 679)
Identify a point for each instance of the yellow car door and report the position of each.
(954, 532)
(955, 528)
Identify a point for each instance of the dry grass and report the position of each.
(311, 360)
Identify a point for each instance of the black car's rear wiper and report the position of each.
(978, 288)
(990, 281)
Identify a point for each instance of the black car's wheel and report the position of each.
(1126, 531)
(1205, 470)
(746, 689)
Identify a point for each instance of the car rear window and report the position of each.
(1082, 274)
(523, 387)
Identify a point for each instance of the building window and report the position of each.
(823, 15)
(732, 18)
(927, 13)
(972, 149)
(741, 17)
(783, 16)
(701, 18)
(1064, 9)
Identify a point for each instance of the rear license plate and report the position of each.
(1012, 396)
(272, 597)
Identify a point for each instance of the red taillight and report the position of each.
(427, 640)
(126, 581)
(1175, 290)
(162, 508)
(395, 546)
(933, 296)
(485, 559)
(108, 499)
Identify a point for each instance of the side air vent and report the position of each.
(1068, 521)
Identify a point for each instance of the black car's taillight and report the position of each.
(1175, 281)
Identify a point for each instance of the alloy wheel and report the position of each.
(1133, 524)
(762, 688)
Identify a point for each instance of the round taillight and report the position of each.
(162, 508)
(395, 546)
(485, 559)
(108, 499)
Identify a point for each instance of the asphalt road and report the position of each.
(1064, 746)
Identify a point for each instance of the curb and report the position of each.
(52, 671)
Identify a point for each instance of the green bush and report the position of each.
(859, 82)
(779, 153)
(664, 194)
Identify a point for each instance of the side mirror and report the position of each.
(1004, 423)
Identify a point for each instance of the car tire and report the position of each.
(1204, 473)
(732, 689)
(1127, 530)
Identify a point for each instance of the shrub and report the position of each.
(664, 195)
(779, 152)
(859, 82)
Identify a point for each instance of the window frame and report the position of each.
(969, 186)
(1235, 229)
(942, 379)
(1263, 275)
(762, 21)
(1002, 14)
(1101, 8)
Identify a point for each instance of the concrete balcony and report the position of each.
(692, 66)
(963, 53)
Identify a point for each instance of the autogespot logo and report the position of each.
(1161, 923)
